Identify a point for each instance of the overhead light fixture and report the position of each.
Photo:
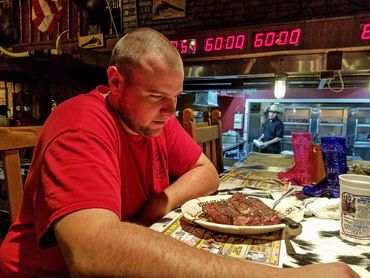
(280, 87)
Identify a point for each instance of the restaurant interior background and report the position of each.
(233, 51)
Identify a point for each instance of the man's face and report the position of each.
(149, 100)
(272, 115)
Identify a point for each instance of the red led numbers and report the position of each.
(277, 38)
(226, 43)
(175, 44)
(220, 43)
(365, 34)
(186, 46)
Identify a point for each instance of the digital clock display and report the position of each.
(219, 43)
(186, 46)
(261, 39)
(277, 38)
(365, 32)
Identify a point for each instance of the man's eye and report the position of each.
(156, 96)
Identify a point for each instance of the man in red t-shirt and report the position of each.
(101, 172)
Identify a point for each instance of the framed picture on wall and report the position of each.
(168, 9)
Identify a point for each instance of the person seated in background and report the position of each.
(4, 116)
(100, 175)
(273, 132)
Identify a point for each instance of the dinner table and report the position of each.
(316, 240)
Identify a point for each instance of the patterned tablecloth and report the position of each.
(319, 242)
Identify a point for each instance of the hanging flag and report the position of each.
(46, 14)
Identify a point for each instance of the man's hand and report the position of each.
(157, 207)
(201, 180)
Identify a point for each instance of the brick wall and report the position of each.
(201, 15)
(204, 15)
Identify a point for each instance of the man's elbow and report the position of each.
(208, 175)
(214, 179)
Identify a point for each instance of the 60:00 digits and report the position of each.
(277, 38)
(220, 43)
(238, 41)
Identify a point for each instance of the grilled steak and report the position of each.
(222, 212)
(240, 210)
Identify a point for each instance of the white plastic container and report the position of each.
(355, 208)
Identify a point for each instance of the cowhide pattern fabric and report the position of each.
(320, 242)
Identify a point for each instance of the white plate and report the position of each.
(191, 210)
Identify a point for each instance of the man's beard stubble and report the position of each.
(130, 123)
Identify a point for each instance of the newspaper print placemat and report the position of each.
(266, 249)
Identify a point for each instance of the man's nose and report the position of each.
(169, 106)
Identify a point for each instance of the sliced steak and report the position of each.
(219, 212)
(257, 212)
(240, 210)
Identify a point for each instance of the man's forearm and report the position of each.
(112, 248)
(95, 243)
(272, 141)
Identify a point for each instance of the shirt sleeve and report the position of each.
(183, 151)
(280, 130)
(79, 171)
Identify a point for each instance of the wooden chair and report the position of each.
(207, 134)
(12, 140)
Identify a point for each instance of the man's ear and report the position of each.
(115, 79)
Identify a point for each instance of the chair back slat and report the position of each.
(12, 140)
(207, 134)
(202, 124)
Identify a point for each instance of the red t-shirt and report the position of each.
(85, 159)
